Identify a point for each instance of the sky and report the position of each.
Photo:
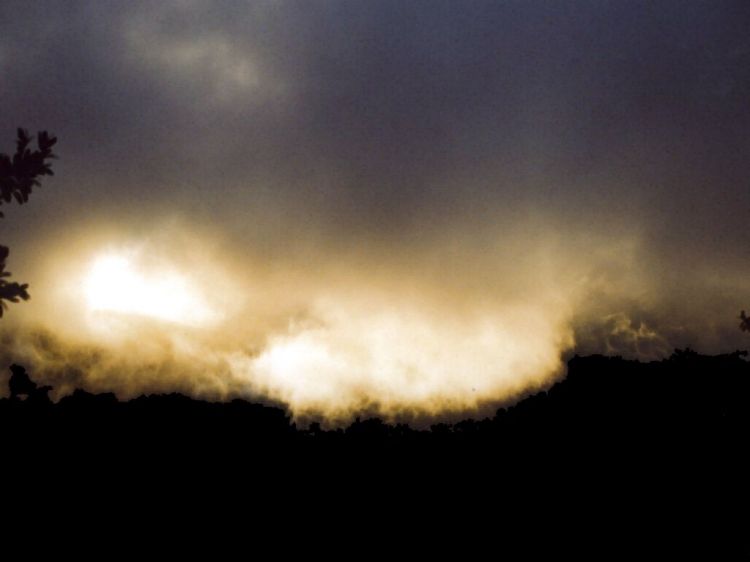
(405, 208)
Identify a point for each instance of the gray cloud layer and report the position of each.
(387, 105)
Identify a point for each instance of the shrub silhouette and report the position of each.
(20, 384)
(18, 177)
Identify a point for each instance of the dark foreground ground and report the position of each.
(620, 458)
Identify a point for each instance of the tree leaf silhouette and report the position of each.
(18, 176)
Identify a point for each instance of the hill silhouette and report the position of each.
(610, 404)
(685, 395)
(626, 456)
(689, 411)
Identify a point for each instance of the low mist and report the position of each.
(403, 332)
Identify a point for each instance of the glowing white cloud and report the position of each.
(403, 357)
(113, 284)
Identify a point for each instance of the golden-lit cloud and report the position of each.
(162, 312)
(388, 355)
(400, 334)
(114, 285)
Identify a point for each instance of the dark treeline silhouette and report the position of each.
(619, 457)
(19, 174)
(688, 401)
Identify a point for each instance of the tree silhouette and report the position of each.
(18, 176)
(745, 322)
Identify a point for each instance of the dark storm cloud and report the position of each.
(374, 103)
(404, 123)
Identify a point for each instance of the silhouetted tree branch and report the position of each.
(18, 177)
(9, 291)
(744, 322)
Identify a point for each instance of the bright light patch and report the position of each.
(114, 284)
(399, 357)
